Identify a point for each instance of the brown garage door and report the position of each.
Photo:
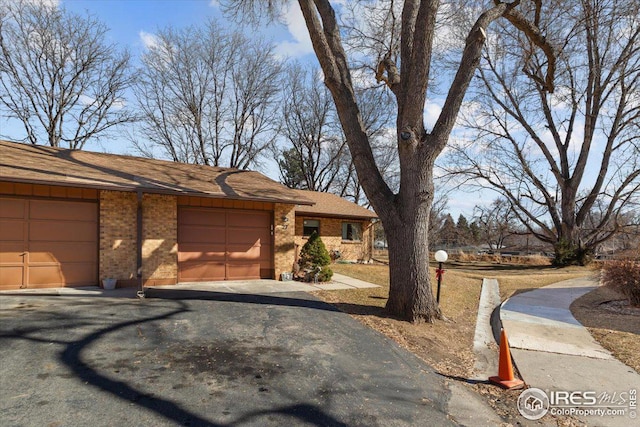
(48, 243)
(223, 244)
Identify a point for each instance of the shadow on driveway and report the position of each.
(205, 359)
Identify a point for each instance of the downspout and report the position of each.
(140, 292)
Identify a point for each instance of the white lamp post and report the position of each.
(441, 256)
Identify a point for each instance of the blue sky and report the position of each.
(133, 22)
(130, 20)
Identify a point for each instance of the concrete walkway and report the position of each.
(554, 352)
(272, 286)
(259, 287)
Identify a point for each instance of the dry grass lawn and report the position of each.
(445, 345)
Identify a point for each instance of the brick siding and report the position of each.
(284, 239)
(160, 239)
(331, 235)
(118, 235)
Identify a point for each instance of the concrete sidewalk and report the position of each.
(263, 286)
(554, 352)
(272, 286)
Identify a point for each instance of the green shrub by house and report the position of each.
(314, 256)
(325, 274)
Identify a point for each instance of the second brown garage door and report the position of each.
(223, 244)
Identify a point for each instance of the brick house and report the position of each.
(342, 225)
(71, 218)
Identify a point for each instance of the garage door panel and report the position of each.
(202, 271)
(242, 247)
(248, 236)
(200, 234)
(62, 210)
(45, 275)
(80, 274)
(265, 259)
(62, 231)
(243, 271)
(12, 251)
(62, 252)
(193, 216)
(70, 274)
(208, 253)
(12, 229)
(11, 276)
(250, 219)
(236, 254)
(13, 208)
(219, 244)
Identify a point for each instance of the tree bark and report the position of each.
(410, 292)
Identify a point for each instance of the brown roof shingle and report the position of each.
(327, 204)
(56, 166)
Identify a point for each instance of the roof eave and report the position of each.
(342, 216)
(135, 188)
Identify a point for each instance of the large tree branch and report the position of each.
(325, 37)
(531, 30)
(466, 70)
(514, 110)
(418, 24)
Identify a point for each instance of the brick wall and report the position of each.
(159, 239)
(284, 239)
(118, 234)
(331, 235)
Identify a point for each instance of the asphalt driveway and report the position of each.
(198, 358)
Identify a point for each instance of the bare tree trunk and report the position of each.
(410, 295)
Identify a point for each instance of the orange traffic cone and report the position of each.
(505, 378)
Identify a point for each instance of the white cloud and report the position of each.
(431, 114)
(149, 40)
(47, 3)
(86, 100)
(301, 44)
(363, 78)
(575, 142)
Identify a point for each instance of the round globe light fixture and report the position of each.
(441, 256)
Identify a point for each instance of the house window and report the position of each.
(351, 231)
(309, 226)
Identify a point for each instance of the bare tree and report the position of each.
(626, 225)
(404, 66)
(437, 216)
(317, 154)
(208, 96)
(315, 143)
(496, 223)
(58, 76)
(558, 157)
